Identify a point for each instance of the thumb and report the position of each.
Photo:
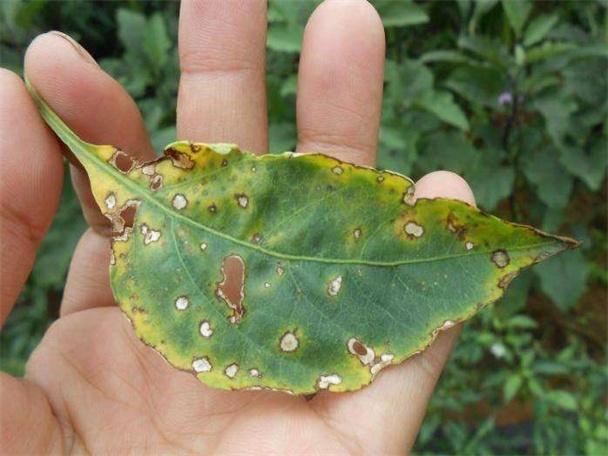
(30, 185)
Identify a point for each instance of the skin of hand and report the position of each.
(91, 386)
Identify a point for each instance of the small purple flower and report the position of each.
(505, 98)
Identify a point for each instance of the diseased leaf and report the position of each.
(292, 272)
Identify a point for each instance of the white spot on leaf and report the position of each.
(242, 200)
(326, 380)
(231, 370)
(205, 329)
(469, 245)
(150, 235)
(179, 201)
(201, 365)
(385, 360)
(182, 303)
(408, 196)
(280, 271)
(334, 285)
(289, 342)
(110, 201)
(267, 285)
(447, 324)
(255, 373)
(204, 246)
(500, 258)
(149, 170)
(337, 170)
(357, 233)
(413, 229)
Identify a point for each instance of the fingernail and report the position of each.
(81, 51)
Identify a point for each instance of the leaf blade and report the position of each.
(317, 298)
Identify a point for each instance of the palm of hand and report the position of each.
(120, 397)
(91, 384)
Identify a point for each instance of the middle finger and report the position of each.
(222, 91)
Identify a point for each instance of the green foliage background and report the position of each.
(510, 94)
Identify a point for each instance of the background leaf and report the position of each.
(563, 279)
(517, 12)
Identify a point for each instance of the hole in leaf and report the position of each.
(123, 162)
(231, 288)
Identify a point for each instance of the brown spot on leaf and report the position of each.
(455, 226)
(224, 162)
(212, 208)
(359, 348)
(232, 287)
(156, 182)
(195, 148)
(123, 220)
(179, 159)
(122, 162)
(507, 279)
(364, 353)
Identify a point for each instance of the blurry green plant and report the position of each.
(510, 94)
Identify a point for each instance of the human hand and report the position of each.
(91, 385)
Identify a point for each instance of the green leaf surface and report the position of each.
(462, 153)
(562, 399)
(553, 183)
(292, 272)
(285, 38)
(563, 279)
(478, 84)
(517, 12)
(488, 49)
(512, 386)
(490, 180)
(539, 28)
(441, 103)
(401, 13)
(397, 149)
(588, 165)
